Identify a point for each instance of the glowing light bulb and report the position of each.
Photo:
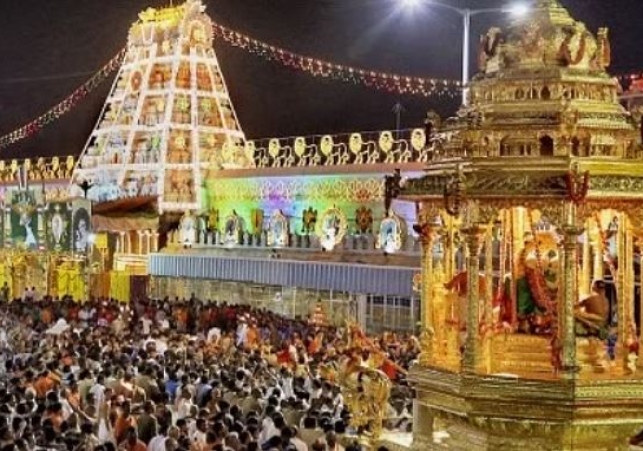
(410, 4)
(519, 9)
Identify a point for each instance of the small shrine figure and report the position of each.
(158, 78)
(206, 117)
(318, 317)
(182, 110)
(185, 189)
(183, 77)
(179, 152)
(203, 78)
(309, 220)
(155, 147)
(149, 117)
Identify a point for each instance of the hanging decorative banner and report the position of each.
(399, 84)
(65, 105)
(58, 227)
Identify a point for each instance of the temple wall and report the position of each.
(293, 195)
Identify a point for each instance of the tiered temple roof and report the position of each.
(168, 118)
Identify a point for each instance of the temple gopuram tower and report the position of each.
(168, 119)
(531, 216)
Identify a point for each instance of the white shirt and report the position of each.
(214, 334)
(299, 444)
(242, 332)
(98, 392)
(146, 323)
(287, 388)
(183, 408)
(268, 431)
(198, 437)
(67, 409)
(157, 443)
(161, 346)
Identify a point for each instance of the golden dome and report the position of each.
(543, 90)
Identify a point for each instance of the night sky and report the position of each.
(41, 38)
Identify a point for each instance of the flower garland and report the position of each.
(537, 279)
(577, 185)
(65, 105)
(399, 84)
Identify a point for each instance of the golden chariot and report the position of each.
(531, 217)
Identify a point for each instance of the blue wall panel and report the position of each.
(355, 278)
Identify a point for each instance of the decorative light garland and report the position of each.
(394, 83)
(65, 105)
(399, 84)
(630, 77)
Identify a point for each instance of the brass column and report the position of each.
(628, 296)
(620, 277)
(427, 234)
(488, 271)
(473, 239)
(586, 279)
(449, 248)
(567, 322)
(598, 253)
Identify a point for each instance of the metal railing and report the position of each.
(383, 147)
(40, 169)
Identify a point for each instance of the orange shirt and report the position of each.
(315, 345)
(252, 338)
(42, 386)
(56, 420)
(121, 425)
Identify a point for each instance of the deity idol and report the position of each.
(536, 285)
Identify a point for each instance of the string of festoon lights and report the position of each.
(394, 83)
(627, 80)
(64, 106)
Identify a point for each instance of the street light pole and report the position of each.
(466, 14)
(466, 46)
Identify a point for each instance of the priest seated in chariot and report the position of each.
(593, 313)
